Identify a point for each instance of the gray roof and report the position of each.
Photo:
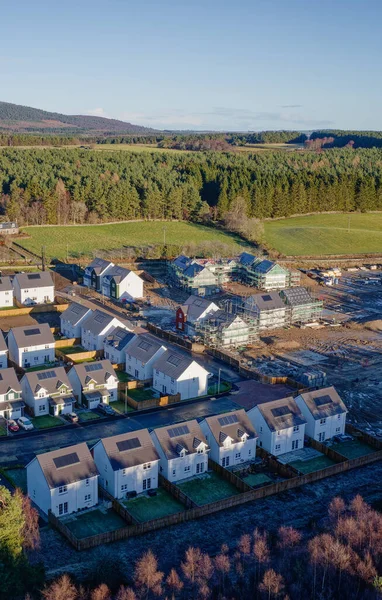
(144, 347)
(117, 273)
(9, 381)
(99, 265)
(6, 284)
(74, 313)
(193, 270)
(181, 262)
(264, 266)
(324, 403)
(67, 465)
(3, 345)
(266, 301)
(174, 438)
(65, 400)
(97, 321)
(98, 371)
(281, 414)
(48, 379)
(119, 338)
(297, 296)
(12, 405)
(172, 363)
(233, 424)
(195, 306)
(130, 449)
(222, 319)
(247, 259)
(33, 335)
(34, 280)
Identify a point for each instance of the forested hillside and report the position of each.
(337, 138)
(60, 186)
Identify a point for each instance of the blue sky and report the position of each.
(201, 64)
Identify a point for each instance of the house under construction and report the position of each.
(227, 330)
(302, 307)
(265, 274)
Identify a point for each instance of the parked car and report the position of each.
(72, 417)
(12, 425)
(105, 409)
(25, 423)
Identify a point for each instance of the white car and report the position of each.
(25, 423)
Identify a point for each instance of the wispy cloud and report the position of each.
(291, 105)
(96, 112)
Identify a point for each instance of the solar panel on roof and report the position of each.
(99, 318)
(32, 331)
(322, 400)
(66, 460)
(93, 367)
(180, 430)
(46, 375)
(76, 310)
(34, 276)
(174, 360)
(281, 411)
(128, 444)
(144, 345)
(228, 420)
(267, 298)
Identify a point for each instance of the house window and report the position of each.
(123, 471)
(11, 396)
(279, 433)
(237, 455)
(147, 483)
(277, 447)
(87, 497)
(147, 466)
(321, 437)
(200, 467)
(63, 508)
(87, 482)
(249, 452)
(296, 428)
(47, 347)
(173, 472)
(156, 371)
(295, 445)
(261, 430)
(124, 487)
(200, 450)
(338, 429)
(172, 380)
(322, 421)
(46, 358)
(338, 416)
(35, 359)
(41, 408)
(186, 469)
(63, 489)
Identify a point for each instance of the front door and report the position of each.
(321, 437)
(63, 509)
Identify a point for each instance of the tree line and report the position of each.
(60, 186)
(337, 138)
(342, 560)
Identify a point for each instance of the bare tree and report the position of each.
(148, 579)
(336, 508)
(222, 568)
(125, 593)
(272, 583)
(260, 551)
(288, 537)
(31, 530)
(174, 583)
(101, 592)
(61, 589)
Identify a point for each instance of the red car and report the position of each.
(12, 425)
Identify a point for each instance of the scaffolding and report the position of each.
(225, 330)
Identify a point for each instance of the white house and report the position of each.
(127, 463)
(94, 383)
(3, 352)
(231, 438)
(280, 425)
(141, 353)
(176, 373)
(33, 288)
(95, 327)
(6, 292)
(94, 272)
(183, 450)
(268, 309)
(72, 318)
(115, 343)
(325, 413)
(11, 404)
(31, 346)
(121, 284)
(48, 392)
(194, 310)
(63, 481)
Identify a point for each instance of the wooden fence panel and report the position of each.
(229, 476)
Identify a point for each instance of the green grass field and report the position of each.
(315, 464)
(84, 239)
(17, 477)
(94, 522)
(207, 488)
(46, 421)
(353, 448)
(146, 508)
(326, 234)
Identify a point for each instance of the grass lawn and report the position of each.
(5, 308)
(315, 464)
(353, 449)
(46, 421)
(207, 488)
(119, 406)
(87, 416)
(3, 431)
(145, 508)
(39, 368)
(326, 234)
(255, 479)
(141, 394)
(224, 387)
(123, 377)
(17, 477)
(84, 239)
(71, 349)
(94, 522)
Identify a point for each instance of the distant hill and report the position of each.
(15, 118)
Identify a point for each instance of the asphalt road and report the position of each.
(19, 449)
